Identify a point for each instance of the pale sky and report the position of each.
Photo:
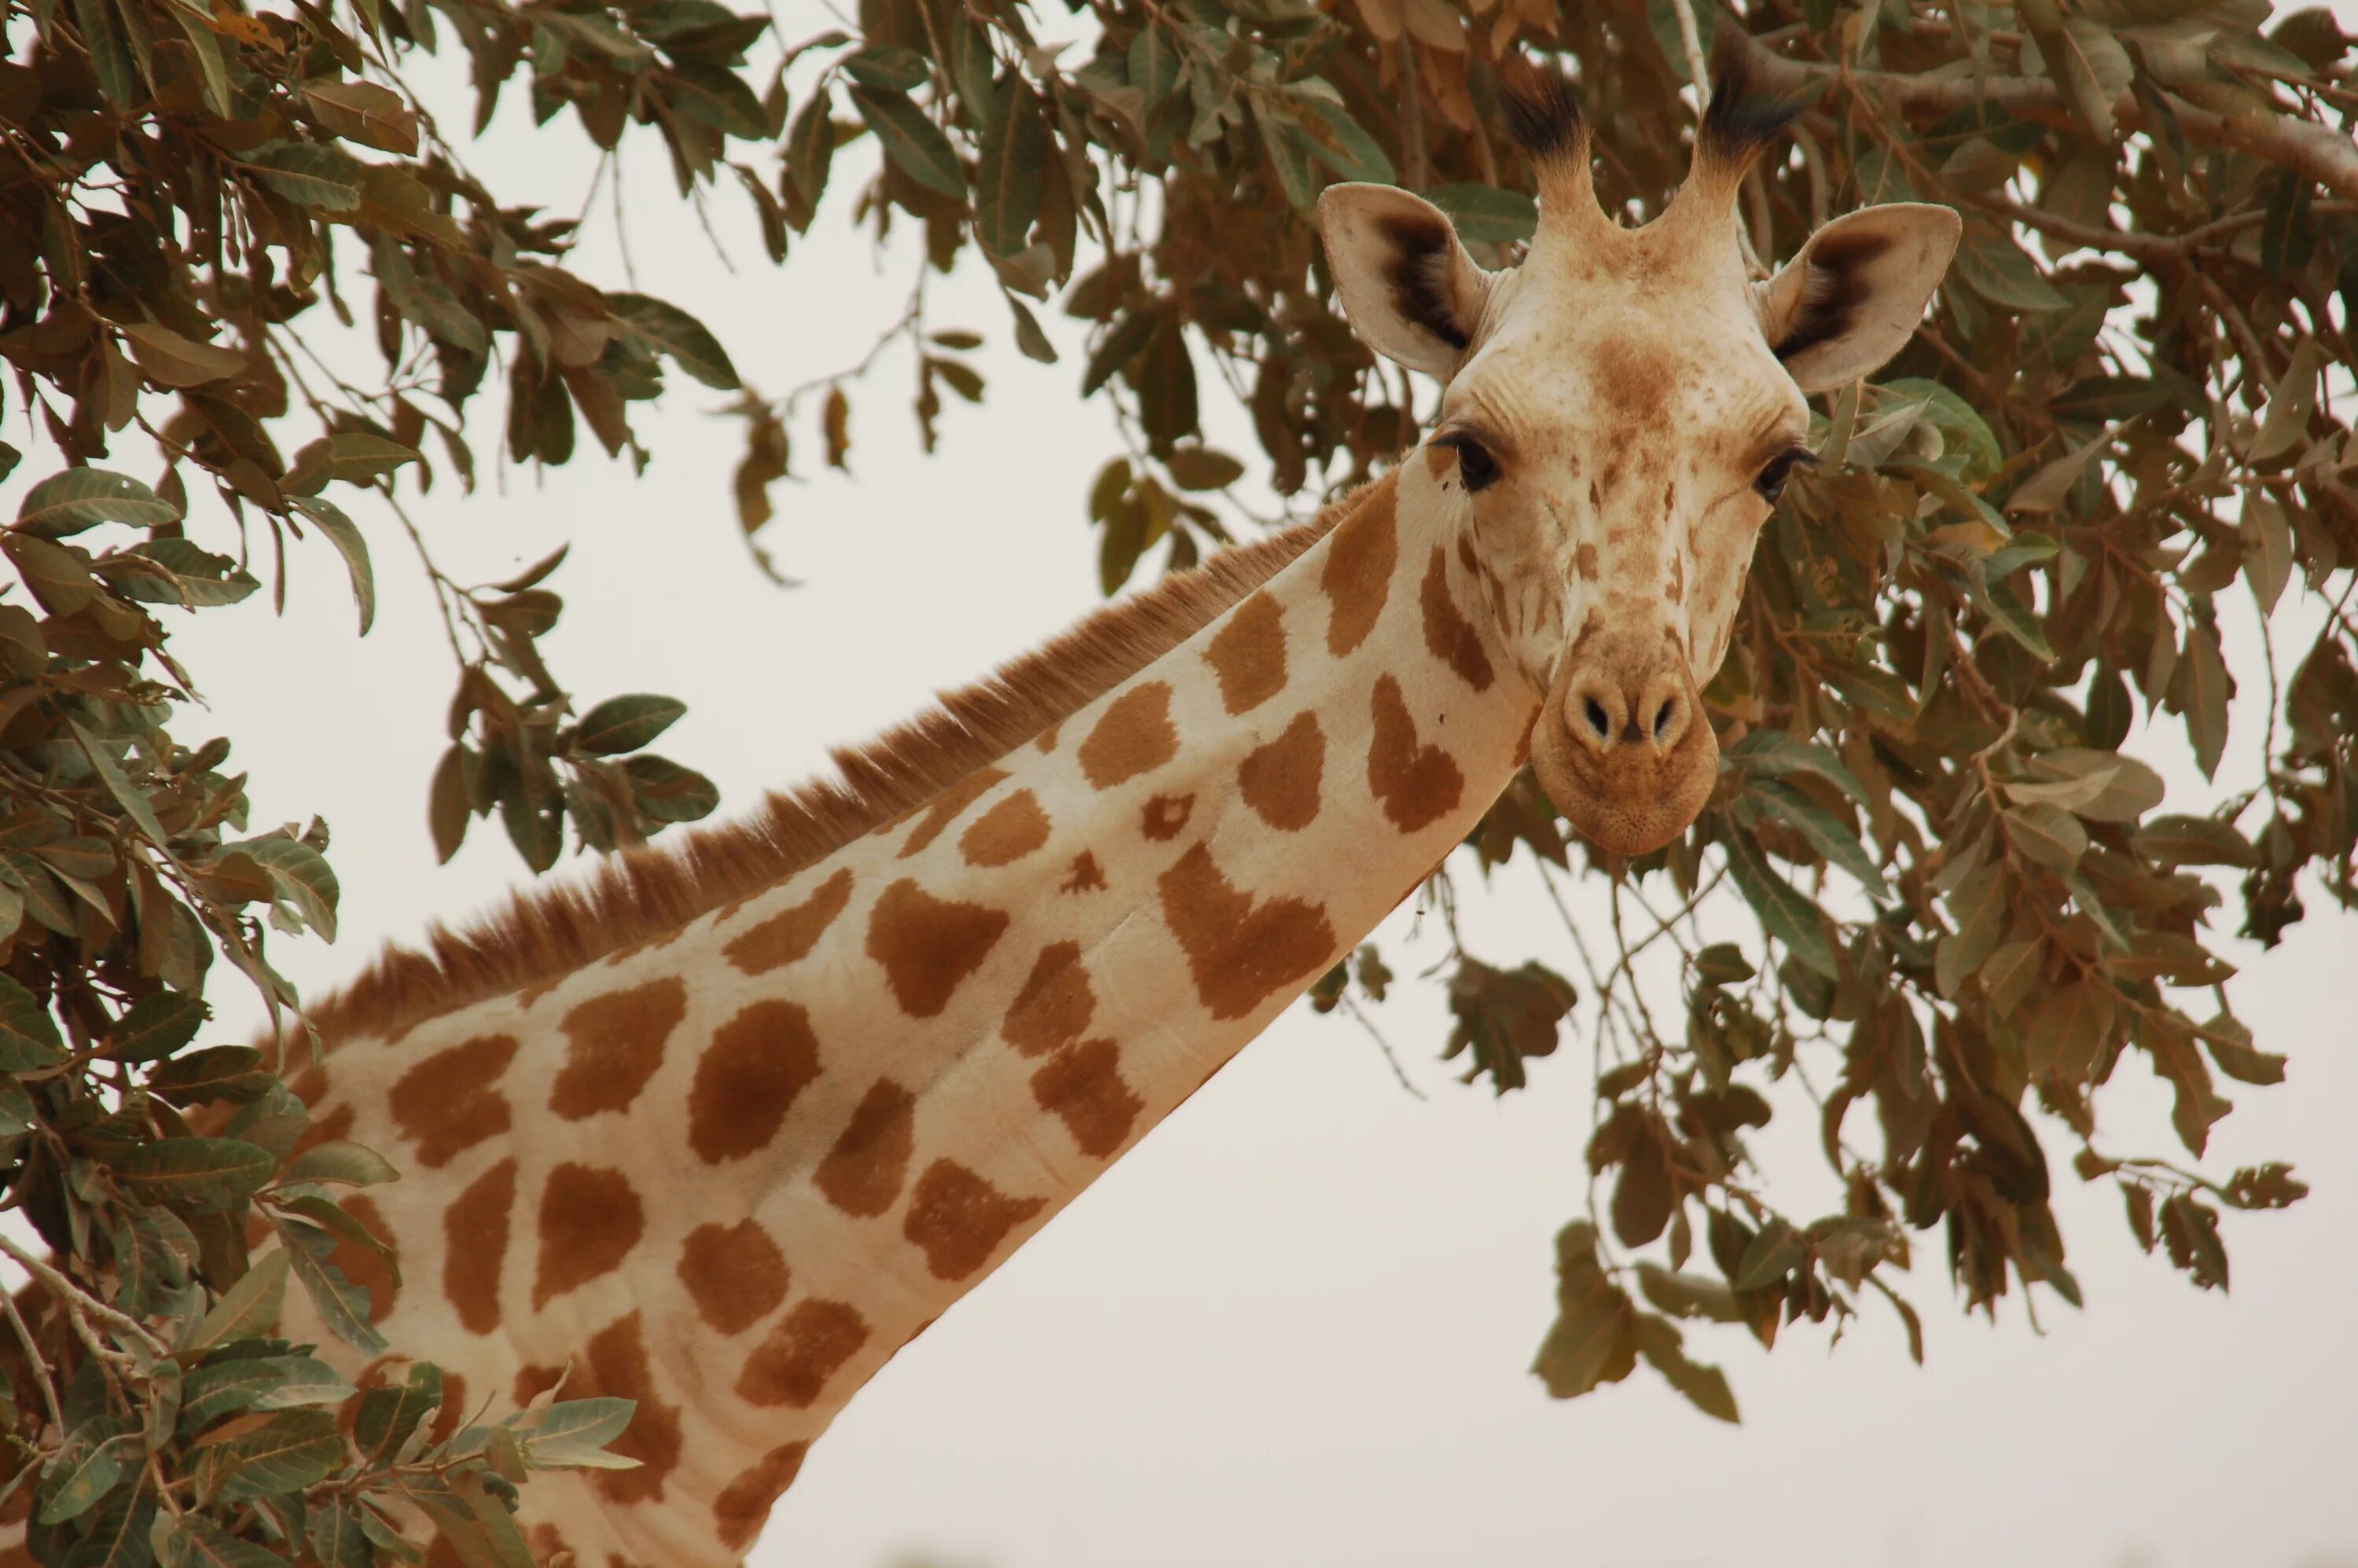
(1293, 1327)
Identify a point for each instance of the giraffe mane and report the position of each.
(640, 894)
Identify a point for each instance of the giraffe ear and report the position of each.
(1411, 291)
(1852, 298)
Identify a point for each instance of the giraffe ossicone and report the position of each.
(721, 1131)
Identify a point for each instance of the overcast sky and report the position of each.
(1293, 1327)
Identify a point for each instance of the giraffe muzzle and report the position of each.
(1623, 748)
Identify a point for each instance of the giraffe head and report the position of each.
(1621, 410)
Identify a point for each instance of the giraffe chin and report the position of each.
(1629, 798)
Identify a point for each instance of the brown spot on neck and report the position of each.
(809, 1345)
(1357, 575)
(1056, 1003)
(1083, 1086)
(1247, 654)
(1281, 779)
(927, 946)
(614, 1366)
(748, 1078)
(475, 1247)
(743, 1506)
(862, 1173)
(1007, 832)
(590, 1218)
(617, 1042)
(1448, 635)
(946, 805)
(1086, 876)
(734, 1273)
(1416, 784)
(1240, 951)
(789, 936)
(1165, 815)
(447, 1103)
(1133, 736)
(363, 1266)
(958, 1219)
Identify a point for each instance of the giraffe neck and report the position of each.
(782, 1140)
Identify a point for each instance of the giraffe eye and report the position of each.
(1771, 482)
(1476, 466)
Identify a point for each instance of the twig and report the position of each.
(1364, 1021)
(33, 1355)
(74, 1299)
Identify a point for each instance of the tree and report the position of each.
(1970, 906)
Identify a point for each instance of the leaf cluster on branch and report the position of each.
(1965, 910)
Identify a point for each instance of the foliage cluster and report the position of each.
(1971, 910)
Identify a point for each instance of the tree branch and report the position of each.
(2317, 152)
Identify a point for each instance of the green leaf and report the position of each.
(1007, 181)
(167, 359)
(336, 1536)
(345, 534)
(134, 805)
(118, 79)
(1773, 1254)
(340, 1160)
(1339, 140)
(224, 1387)
(309, 175)
(1785, 913)
(197, 1172)
(2285, 426)
(1997, 270)
(810, 151)
(1156, 62)
(155, 1026)
(389, 1414)
(1772, 753)
(1594, 1338)
(99, 1453)
(669, 792)
(674, 332)
(300, 875)
(196, 1542)
(1824, 831)
(888, 67)
(76, 499)
(1202, 467)
(287, 1453)
(365, 113)
(1705, 1388)
(247, 1310)
(2046, 834)
(2175, 840)
(304, 1380)
(1688, 1296)
(626, 723)
(718, 98)
(29, 1035)
(207, 49)
(175, 571)
(353, 455)
(342, 1305)
(1485, 212)
(911, 141)
(573, 1435)
(223, 1072)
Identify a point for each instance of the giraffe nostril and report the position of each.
(1598, 720)
(1662, 718)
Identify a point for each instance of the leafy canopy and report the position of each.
(1967, 905)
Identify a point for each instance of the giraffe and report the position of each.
(721, 1131)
